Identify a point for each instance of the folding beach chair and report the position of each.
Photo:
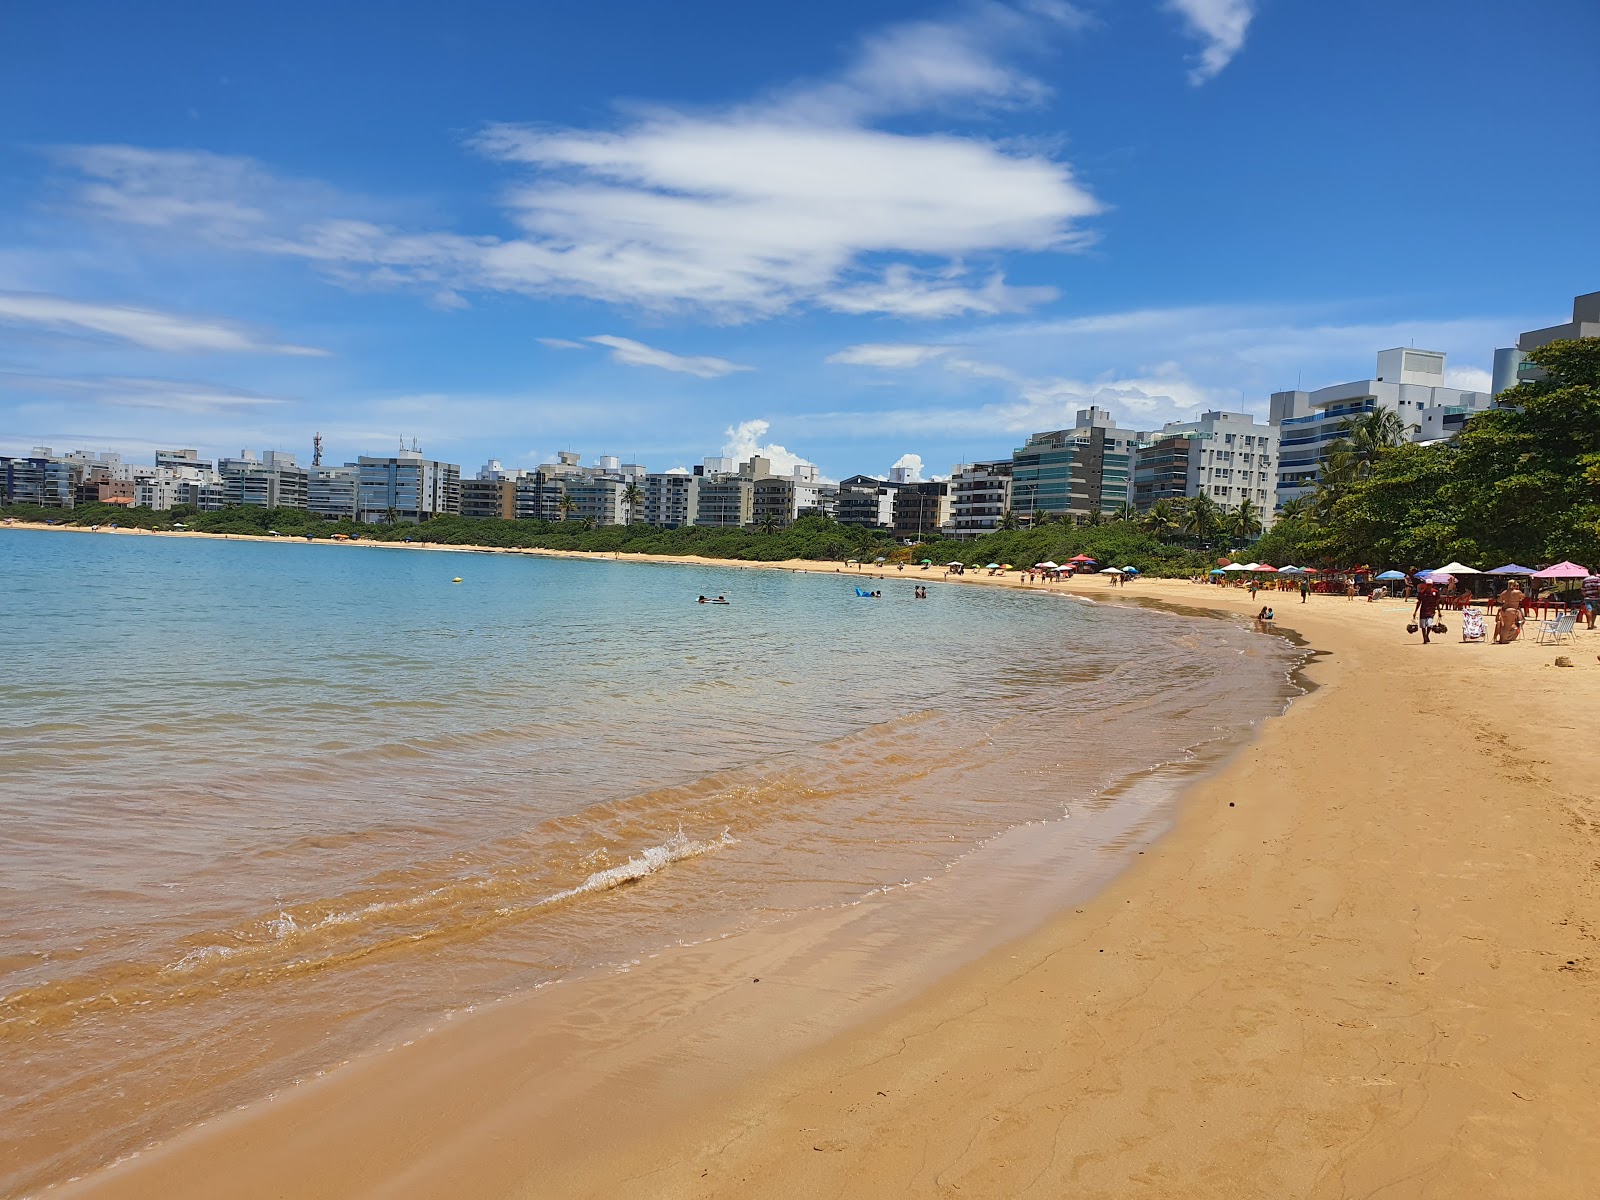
(1559, 630)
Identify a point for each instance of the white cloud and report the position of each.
(1220, 25)
(892, 356)
(744, 443)
(912, 464)
(792, 200)
(903, 293)
(1469, 379)
(169, 395)
(560, 344)
(145, 327)
(637, 354)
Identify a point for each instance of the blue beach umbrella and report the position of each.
(1391, 575)
(1217, 571)
(1510, 569)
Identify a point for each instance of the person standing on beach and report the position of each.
(1305, 589)
(1591, 597)
(1426, 610)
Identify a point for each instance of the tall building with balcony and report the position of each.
(671, 499)
(39, 478)
(1408, 381)
(1230, 457)
(334, 492)
(484, 498)
(1510, 364)
(726, 501)
(921, 509)
(980, 495)
(407, 488)
(867, 501)
(1074, 472)
(271, 480)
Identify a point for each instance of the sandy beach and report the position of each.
(1363, 963)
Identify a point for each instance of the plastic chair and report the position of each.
(1555, 632)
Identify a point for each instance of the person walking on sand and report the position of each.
(1305, 590)
(1591, 598)
(1508, 620)
(1426, 610)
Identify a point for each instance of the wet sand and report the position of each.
(1363, 963)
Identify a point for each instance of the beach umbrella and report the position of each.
(1109, 571)
(1563, 570)
(957, 563)
(1290, 571)
(1510, 569)
(927, 562)
(1266, 567)
(880, 558)
(1080, 558)
(1437, 577)
(1217, 571)
(1235, 567)
(1453, 569)
(1047, 565)
(1391, 575)
(992, 567)
(1130, 570)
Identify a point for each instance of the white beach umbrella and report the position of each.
(1238, 567)
(1456, 568)
(1110, 571)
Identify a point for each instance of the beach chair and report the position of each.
(1553, 633)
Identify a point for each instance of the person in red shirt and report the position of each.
(1427, 609)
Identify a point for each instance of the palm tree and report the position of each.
(1125, 512)
(1043, 518)
(1095, 517)
(1244, 522)
(391, 516)
(632, 496)
(1164, 518)
(768, 523)
(1298, 509)
(1202, 517)
(567, 506)
(1008, 520)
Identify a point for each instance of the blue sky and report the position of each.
(852, 232)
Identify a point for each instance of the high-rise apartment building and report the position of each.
(407, 488)
(1074, 472)
(671, 499)
(334, 492)
(1230, 457)
(1408, 381)
(271, 480)
(980, 495)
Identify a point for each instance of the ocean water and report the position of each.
(265, 806)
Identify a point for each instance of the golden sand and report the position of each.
(1363, 964)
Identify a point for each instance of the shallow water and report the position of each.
(264, 806)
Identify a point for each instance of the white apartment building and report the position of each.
(671, 499)
(1408, 381)
(271, 480)
(334, 492)
(980, 494)
(407, 485)
(1230, 457)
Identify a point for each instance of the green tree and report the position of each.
(1202, 518)
(1244, 522)
(566, 505)
(1008, 520)
(1163, 519)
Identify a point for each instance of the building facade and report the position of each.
(38, 478)
(269, 481)
(407, 488)
(1074, 472)
(671, 499)
(726, 502)
(980, 495)
(867, 501)
(1408, 381)
(921, 509)
(1510, 364)
(334, 492)
(484, 498)
(1230, 457)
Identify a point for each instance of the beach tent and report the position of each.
(1510, 569)
(1080, 558)
(1392, 575)
(1563, 570)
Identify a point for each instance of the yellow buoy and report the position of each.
(457, 579)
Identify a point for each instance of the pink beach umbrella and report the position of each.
(1562, 570)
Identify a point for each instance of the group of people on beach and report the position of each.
(1508, 615)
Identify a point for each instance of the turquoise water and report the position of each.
(265, 805)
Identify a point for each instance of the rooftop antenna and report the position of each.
(316, 450)
(415, 449)
(402, 444)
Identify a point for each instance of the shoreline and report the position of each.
(1212, 968)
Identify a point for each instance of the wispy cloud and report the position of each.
(560, 343)
(797, 198)
(636, 354)
(1220, 26)
(892, 356)
(119, 391)
(144, 327)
